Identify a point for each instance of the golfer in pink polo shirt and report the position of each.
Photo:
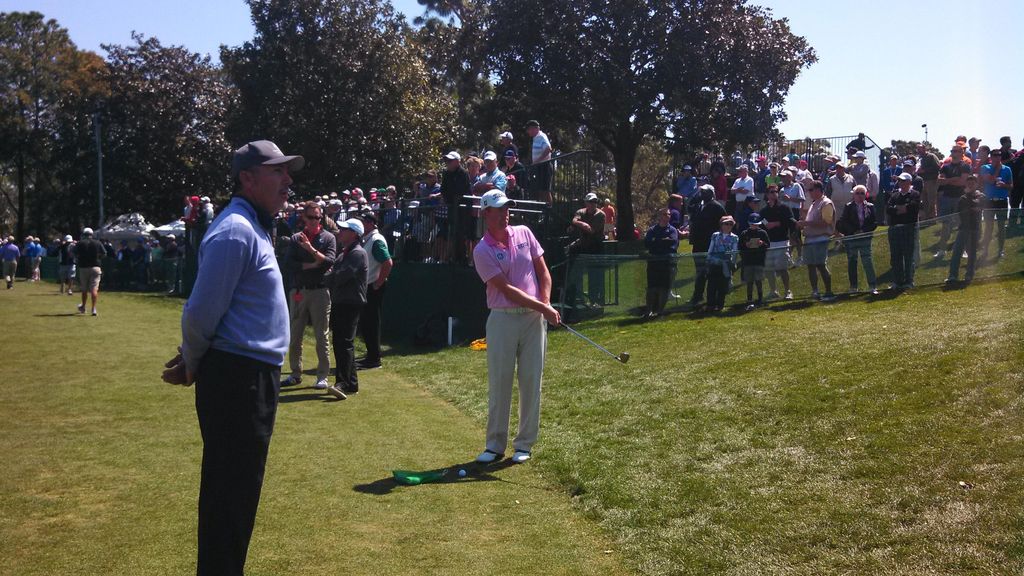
(511, 262)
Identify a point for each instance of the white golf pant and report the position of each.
(515, 338)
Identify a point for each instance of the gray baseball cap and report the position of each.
(263, 153)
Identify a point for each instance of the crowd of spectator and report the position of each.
(798, 205)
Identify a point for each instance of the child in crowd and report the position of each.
(753, 244)
(720, 260)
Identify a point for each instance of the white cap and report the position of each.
(68, 238)
(86, 231)
(204, 199)
(506, 135)
(590, 197)
(490, 155)
(495, 199)
(354, 225)
(453, 155)
(906, 177)
(860, 155)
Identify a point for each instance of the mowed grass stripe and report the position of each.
(102, 462)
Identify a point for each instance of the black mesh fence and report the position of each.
(898, 256)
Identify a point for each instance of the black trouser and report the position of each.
(700, 280)
(236, 401)
(344, 321)
(1016, 203)
(369, 322)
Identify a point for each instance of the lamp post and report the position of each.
(99, 165)
(925, 126)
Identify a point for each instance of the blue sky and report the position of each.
(885, 67)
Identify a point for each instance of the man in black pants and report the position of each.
(379, 265)
(234, 339)
(347, 281)
(706, 212)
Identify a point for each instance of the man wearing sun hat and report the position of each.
(234, 339)
(511, 263)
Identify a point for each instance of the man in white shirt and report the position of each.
(540, 156)
(742, 187)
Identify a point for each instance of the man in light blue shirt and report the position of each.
(998, 180)
(235, 334)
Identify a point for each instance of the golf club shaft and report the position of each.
(592, 343)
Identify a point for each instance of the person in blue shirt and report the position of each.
(721, 260)
(11, 254)
(998, 180)
(662, 243)
(887, 184)
(34, 251)
(686, 183)
(235, 335)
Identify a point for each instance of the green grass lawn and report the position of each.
(799, 439)
(101, 466)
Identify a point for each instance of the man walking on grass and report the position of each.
(234, 338)
(510, 261)
(89, 253)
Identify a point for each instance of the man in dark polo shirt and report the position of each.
(89, 252)
(310, 254)
(587, 228)
(235, 335)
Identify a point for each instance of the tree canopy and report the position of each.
(342, 83)
(701, 72)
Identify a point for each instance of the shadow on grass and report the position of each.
(59, 315)
(475, 472)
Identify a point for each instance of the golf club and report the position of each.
(623, 357)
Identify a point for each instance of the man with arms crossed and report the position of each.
(234, 337)
(310, 253)
(511, 262)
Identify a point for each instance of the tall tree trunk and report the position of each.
(20, 234)
(625, 156)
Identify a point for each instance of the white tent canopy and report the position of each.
(176, 227)
(130, 226)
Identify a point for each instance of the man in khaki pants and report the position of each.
(511, 262)
(310, 256)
